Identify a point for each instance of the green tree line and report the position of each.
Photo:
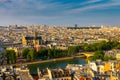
(49, 53)
(43, 54)
(10, 55)
(100, 46)
(101, 55)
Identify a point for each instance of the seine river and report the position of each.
(56, 64)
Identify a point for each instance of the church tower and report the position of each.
(24, 42)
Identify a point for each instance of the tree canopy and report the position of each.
(25, 52)
(11, 56)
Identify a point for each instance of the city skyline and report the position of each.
(60, 12)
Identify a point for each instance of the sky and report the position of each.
(60, 12)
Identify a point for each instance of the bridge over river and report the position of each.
(86, 54)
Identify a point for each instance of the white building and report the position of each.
(93, 66)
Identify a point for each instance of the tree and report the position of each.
(11, 56)
(117, 47)
(43, 53)
(106, 58)
(31, 55)
(49, 53)
(25, 52)
(73, 50)
(98, 55)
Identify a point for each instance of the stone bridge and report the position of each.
(87, 54)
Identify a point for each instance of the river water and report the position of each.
(56, 64)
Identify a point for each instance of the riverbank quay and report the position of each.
(45, 61)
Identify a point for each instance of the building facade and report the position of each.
(31, 40)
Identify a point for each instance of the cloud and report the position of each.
(5, 1)
(89, 2)
(46, 11)
(51, 7)
(34, 8)
(95, 6)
